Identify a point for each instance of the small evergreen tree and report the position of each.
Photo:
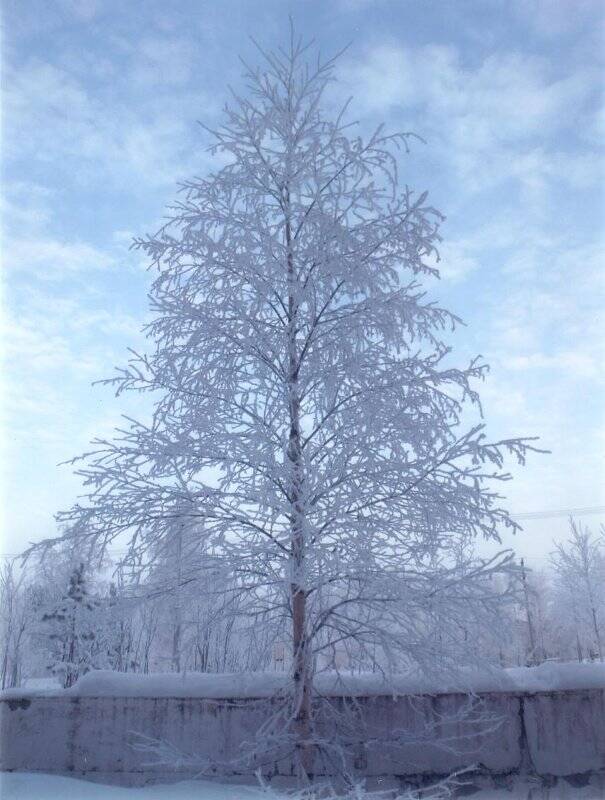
(74, 646)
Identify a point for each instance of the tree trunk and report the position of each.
(176, 603)
(7, 643)
(176, 648)
(593, 613)
(298, 594)
(531, 660)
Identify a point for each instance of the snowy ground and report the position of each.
(31, 786)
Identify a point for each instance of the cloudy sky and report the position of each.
(100, 107)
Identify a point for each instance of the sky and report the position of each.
(100, 108)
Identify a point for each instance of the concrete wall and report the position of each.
(556, 733)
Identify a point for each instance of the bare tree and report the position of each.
(307, 421)
(579, 572)
(14, 615)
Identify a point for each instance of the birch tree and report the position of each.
(14, 621)
(308, 414)
(579, 576)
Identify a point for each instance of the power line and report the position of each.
(563, 512)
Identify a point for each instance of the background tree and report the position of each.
(15, 607)
(308, 418)
(72, 628)
(579, 579)
(120, 627)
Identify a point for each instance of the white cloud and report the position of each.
(552, 18)
(30, 248)
(130, 134)
(457, 259)
(484, 119)
(572, 363)
(163, 60)
(25, 206)
(508, 95)
(60, 337)
(556, 302)
(51, 259)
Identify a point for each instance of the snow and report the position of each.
(41, 683)
(39, 786)
(552, 676)
(544, 678)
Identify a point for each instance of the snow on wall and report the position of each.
(106, 683)
(546, 726)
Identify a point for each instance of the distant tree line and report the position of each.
(61, 618)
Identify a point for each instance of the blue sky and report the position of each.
(100, 107)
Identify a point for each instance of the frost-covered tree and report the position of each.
(578, 567)
(72, 629)
(198, 609)
(119, 628)
(307, 414)
(15, 617)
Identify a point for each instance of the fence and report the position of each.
(556, 733)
